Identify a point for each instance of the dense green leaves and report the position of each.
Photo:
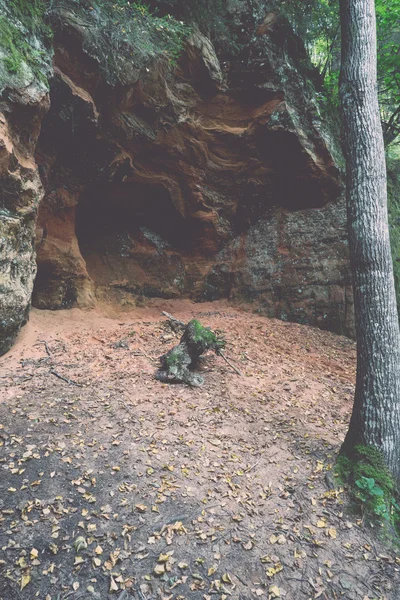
(317, 22)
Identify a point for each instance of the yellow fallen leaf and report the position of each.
(141, 507)
(274, 570)
(273, 539)
(212, 570)
(321, 523)
(25, 579)
(75, 586)
(34, 553)
(163, 558)
(113, 586)
(332, 533)
(274, 591)
(266, 559)
(159, 569)
(226, 578)
(98, 550)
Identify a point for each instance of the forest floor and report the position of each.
(114, 485)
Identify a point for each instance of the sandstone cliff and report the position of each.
(212, 178)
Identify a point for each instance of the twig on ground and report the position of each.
(219, 353)
(141, 353)
(242, 581)
(171, 318)
(46, 346)
(252, 467)
(70, 381)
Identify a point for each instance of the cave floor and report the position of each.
(214, 492)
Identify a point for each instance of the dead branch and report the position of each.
(171, 318)
(47, 347)
(219, 353)
(70, 381)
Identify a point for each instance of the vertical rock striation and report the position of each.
(21, 112)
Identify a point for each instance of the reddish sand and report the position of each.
(240, 464)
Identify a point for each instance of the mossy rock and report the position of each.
(178, 363)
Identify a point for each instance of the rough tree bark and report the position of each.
(376, 414)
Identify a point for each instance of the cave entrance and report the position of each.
(132, 237)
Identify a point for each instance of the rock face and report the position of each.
(210, 180)
(21, 191)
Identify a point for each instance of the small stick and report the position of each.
(220, 353)
(46, 346)
(70, 381)
(252, 467)
(171, 318)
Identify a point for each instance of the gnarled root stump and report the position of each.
(177, 365)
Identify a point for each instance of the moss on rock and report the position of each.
(370, 484)
(177, 365)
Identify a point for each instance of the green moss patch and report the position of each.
(126, 37)
(22, 32)
(205, 336)
(370, 484)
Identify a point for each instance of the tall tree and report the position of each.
(376, 413)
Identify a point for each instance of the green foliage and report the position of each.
(388, 28)
(121, 34)
(210, 16)
(19, 25)
(370, 484)
(125, 35)
(317, 22)
(205, 336)
(372, 495)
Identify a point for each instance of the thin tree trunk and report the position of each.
(376, 414)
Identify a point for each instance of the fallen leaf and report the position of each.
(159, 569)
(25, 579)
(113, 586)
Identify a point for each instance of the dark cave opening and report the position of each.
(298, 182)
(108, 210)
(131, 236)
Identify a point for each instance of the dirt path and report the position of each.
(217, 492)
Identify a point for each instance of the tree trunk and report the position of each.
(376, 413)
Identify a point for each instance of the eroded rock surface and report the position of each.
(20, 192)
(214, 179)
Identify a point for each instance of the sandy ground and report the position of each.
(115, 485)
